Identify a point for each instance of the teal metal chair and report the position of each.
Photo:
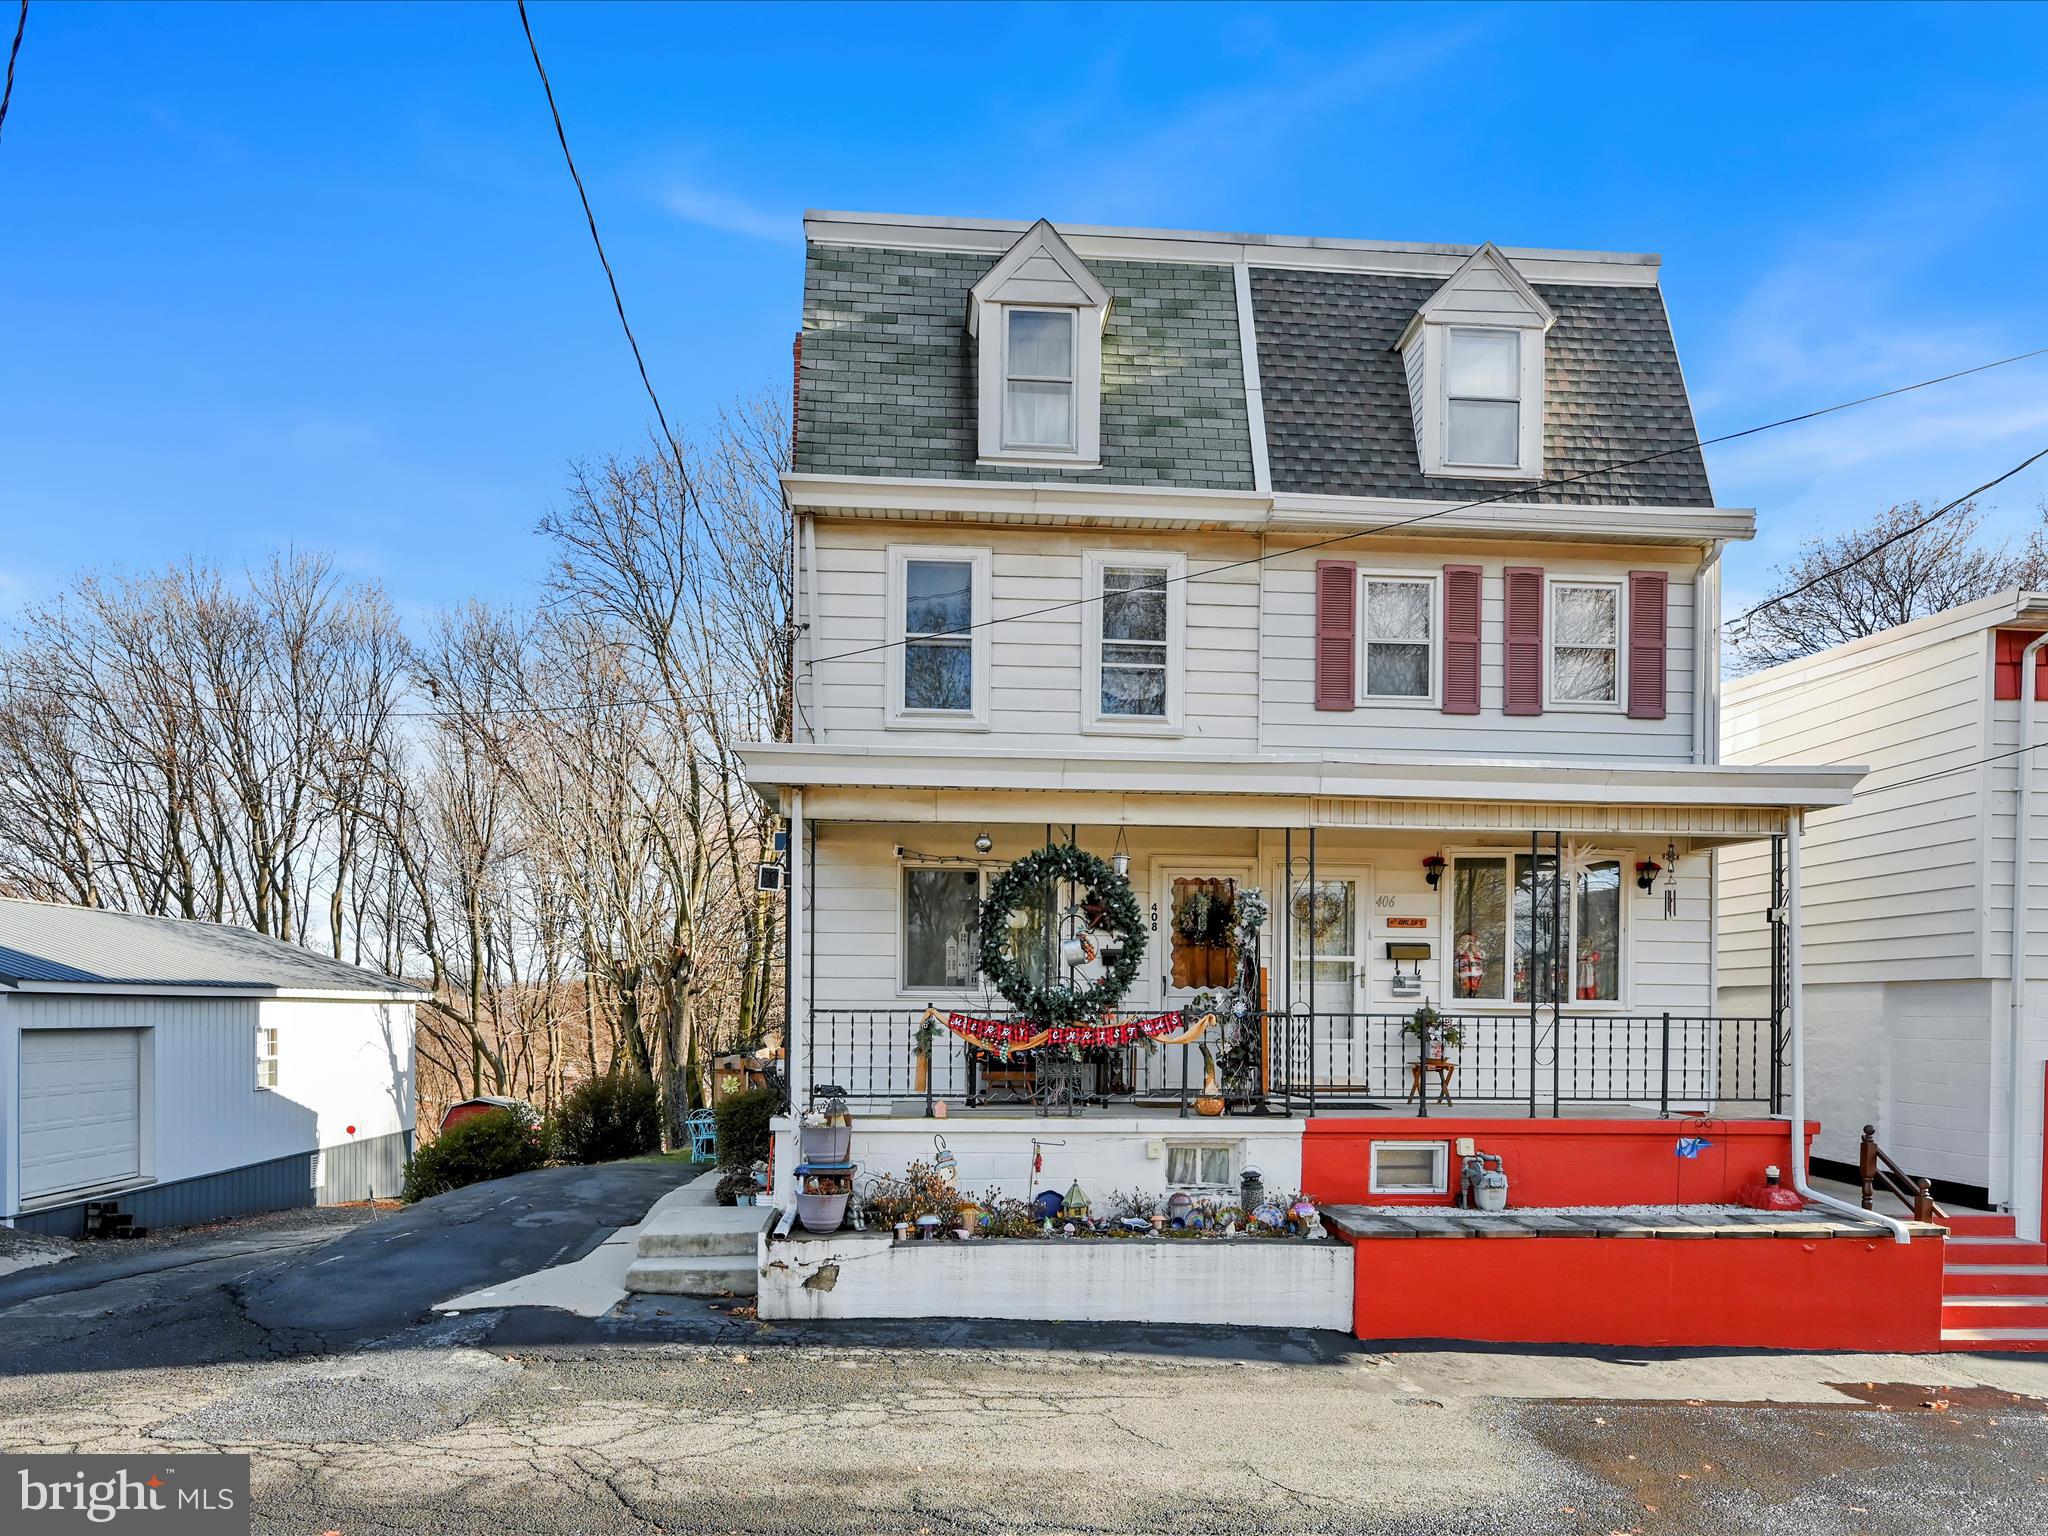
(702, 1125)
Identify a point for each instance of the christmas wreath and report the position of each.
(1108, 906)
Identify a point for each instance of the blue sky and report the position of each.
(314, 274)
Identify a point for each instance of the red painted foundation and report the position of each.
(1557, 1162)
(1758, 1293)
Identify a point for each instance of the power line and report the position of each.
(590, 218)
(1422, 517)
(1941, 773)
(1883, 544)
(7, 94)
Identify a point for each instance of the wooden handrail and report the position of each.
(1879, 1168)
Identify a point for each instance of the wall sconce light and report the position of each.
(1120, 860)
(1433, 869)
(984, 843)
(1647, 871)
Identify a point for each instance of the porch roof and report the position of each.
(914, 783)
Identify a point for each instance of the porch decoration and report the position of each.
(1006, 1038)
(1056, 1004)
(1433, 869)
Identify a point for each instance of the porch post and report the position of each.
(796, 988)
(1313, 894)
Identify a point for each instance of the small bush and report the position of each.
(487, 1147)
(605, 1118)
(743, 1134)
(735, 1182)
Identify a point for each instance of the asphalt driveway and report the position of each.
(317, 1288)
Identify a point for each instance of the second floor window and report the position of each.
(1585, 645)
(1038, 379)
(1131, 629)
(1399, 626)
(1483, 405)
(938, 644)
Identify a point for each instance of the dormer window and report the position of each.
(1473, 355)
(1483, 397)
(1038, 381)
(1037, 319)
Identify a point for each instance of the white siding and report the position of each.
(339, 1064)
(1249, 675)
(1892, 883)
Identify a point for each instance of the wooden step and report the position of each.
(1996, 1340)
(1996, 1250)
(1995, 1312)
(1977, 1224)
(1995, 1280)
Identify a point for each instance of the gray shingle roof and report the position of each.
(888, 371)
(1338, 419)
(42, 942)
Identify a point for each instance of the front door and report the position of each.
(1193, 913)
(1326, 973)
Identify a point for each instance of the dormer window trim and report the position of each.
(1486, 297)
(1039, 275)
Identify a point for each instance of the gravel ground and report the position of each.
(31, 1250)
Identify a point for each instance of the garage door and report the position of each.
(81, 1109)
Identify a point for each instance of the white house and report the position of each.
(1911, 972)
(1302, 566)
(190, 1072)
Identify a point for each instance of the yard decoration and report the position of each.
(1054, 1003)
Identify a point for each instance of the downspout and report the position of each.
(2022, 902)
(814, 729)
(1795, 986)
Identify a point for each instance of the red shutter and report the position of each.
(1336, 634)
(2012, 645)
(1524, 640)
(1461, 639)
(1647, 644)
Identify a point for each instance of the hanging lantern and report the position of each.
(983, 843)
(946, 1163)
(1120, 860)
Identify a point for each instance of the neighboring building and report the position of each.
(1160, 541)
(1909, 896)
(191, 1072)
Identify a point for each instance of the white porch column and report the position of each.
(797, 1001)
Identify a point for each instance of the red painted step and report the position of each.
(1995, 1280)
(1978, 1224)
(1996, 1312)
(2033, 1341)
(1995, 1250)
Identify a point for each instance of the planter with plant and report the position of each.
(1436, 1033)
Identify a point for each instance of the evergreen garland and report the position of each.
(1054, 1002)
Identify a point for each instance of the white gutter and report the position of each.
(1796, 1007)
(2022, 903)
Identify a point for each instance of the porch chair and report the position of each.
(702, 1125)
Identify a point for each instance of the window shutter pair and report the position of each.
(1645, 625)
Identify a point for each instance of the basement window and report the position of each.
(1200, 1166)
(1410, 1167)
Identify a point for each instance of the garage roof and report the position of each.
(42, 943)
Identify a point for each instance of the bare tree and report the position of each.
(1880, 576)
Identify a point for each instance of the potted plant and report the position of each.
(1436, 1033)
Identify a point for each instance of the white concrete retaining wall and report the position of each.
(1105, 1153)
(1250, 1282)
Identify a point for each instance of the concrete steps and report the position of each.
(1994, 1287)
(689, 1246)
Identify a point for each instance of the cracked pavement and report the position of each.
(318, 1353)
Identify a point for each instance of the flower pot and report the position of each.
(821, 1213)
(827, 1143)
(1210, 1100)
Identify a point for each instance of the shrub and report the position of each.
(735, 1182)
(505, 1141)
(743, 1134)
(605, 1118)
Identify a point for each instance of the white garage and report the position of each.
(81, 1109)
(189, 1072)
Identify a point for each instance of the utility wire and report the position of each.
(1904, 533)
(7, 94)
(590, 218)
(1467, 506)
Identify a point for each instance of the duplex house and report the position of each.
(1353, 603)
(1927, 1022)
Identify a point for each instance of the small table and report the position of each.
(1444, 1070)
